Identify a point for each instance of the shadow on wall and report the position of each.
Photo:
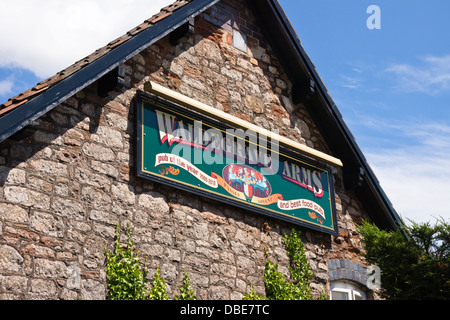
(73, 169)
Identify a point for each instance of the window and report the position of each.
(239, 40)
(345, 290)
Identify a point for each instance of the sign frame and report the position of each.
(144, 97)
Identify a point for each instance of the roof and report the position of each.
(26, 96)
(29, 105)
(19, 111)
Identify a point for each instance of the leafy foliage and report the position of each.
(277, 286)
(299, 268)
(158, 290)
(126, 277)
(414, 263)
(186, 291)
(253, 295)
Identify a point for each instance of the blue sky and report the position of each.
(392, 85)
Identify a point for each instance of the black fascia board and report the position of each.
(294, 42)
(23, 115)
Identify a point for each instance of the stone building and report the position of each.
(71, 151)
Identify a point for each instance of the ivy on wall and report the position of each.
(280, 288)
(126, 277)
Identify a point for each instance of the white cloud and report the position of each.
(6, 87)
(415, 177)
(47, 36)
(351, 82)
(432, 76)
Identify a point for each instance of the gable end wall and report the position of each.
(69, 178)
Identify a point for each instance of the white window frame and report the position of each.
(351, 290)
(348, 292)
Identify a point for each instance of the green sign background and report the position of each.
(284, 195)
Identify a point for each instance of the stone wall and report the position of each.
(69, 178)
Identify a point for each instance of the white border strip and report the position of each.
(176, 97)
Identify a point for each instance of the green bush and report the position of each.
(186, 291)
(126, 277)
(414, 261)
(158, 289)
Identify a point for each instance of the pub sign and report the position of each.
(198, 154)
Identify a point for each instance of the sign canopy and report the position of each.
(195, 153)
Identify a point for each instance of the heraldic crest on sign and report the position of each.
(247, 180)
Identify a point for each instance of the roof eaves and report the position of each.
(24, 96)
(20, 110)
